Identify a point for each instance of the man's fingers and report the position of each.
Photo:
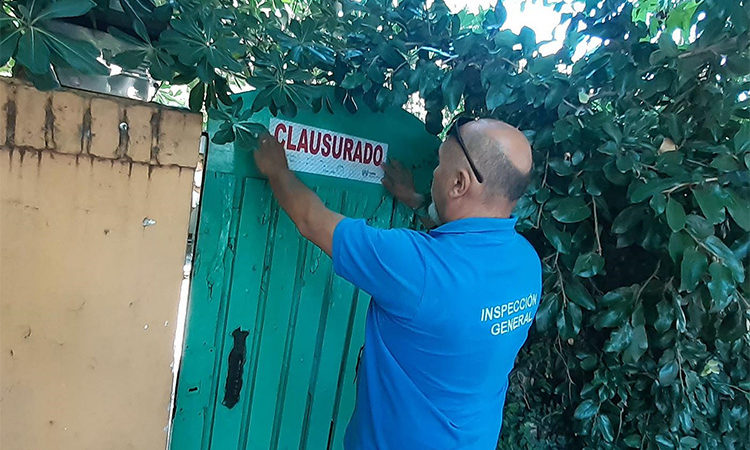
(388, 170)
(266, 140)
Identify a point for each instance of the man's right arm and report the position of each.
(400, 183)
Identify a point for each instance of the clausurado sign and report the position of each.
(325, 152)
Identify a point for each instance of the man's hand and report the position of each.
(270, 156)
(400, 183)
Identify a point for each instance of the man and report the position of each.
(450, 308)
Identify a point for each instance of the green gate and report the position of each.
(273, 336)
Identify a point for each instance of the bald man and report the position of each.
(450, 308)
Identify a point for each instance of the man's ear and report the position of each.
(461, 183)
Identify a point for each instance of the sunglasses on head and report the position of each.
(455, 131)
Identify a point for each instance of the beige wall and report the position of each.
(88, 294)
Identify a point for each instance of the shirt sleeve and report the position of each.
(387, 264)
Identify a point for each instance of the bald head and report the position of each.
(502, 155)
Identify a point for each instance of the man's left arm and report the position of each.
(313, 219)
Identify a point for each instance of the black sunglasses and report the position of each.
(455, 131)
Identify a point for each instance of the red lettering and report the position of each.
(337, 144)
(348, 146)
(290, 134)
(279, 128)
(377, 155)
(326, 145)
(302, 143)
(368, 153)
(314, 147)
(358, 152)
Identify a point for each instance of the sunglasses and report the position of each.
(455, 131)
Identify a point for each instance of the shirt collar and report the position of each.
(477, 225)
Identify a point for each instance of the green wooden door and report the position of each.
(273, 336)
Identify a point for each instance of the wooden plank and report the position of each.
(287, 255)
(329, 348)
(244, 306)
(192, 421)
(316, 282)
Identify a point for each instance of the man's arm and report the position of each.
(400, 183)
(313, 219)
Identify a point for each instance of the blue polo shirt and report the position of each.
(450, 310)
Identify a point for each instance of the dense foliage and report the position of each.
(640, 210)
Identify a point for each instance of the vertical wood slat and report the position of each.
(286, 251)
(244, 301)
(316, 282)
(192, 422)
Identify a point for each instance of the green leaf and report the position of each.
(78, 54)
(711, 201)
(613, 132)
(496, 95)
(733, 327)
(694, 265)
(573, 317)
(675, 215)
(617, 296)
(453, 89)
(245, 141)
(197, 94)
(725, 163)
(742, 138)
(33, 52)
(605, 427)
(638, 346)
(667, 45)
(527, 37)
(689, 442)
(619, 339)
(555, 95)
(563, 130)
(586, 410)
(739, 208)
(571, 210)
(254, 128)
(588, 265)
(223, 135)
(665, 317)
(681, 16)
(560, 240)
(699, 226)
(721, 251)
(668, 373)
(65, 8)
(663, 442)
(632, 440)
(579, 295)
(627, 219)
(353, 80)
(640, 191)
(44, 82)
(721, 286)
(8, 45)
(547, 312)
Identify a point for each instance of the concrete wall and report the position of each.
(94, 204)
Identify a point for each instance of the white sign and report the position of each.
(325, 152)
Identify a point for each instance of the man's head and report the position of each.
(502, 156)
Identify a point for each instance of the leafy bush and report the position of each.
(640, 211)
